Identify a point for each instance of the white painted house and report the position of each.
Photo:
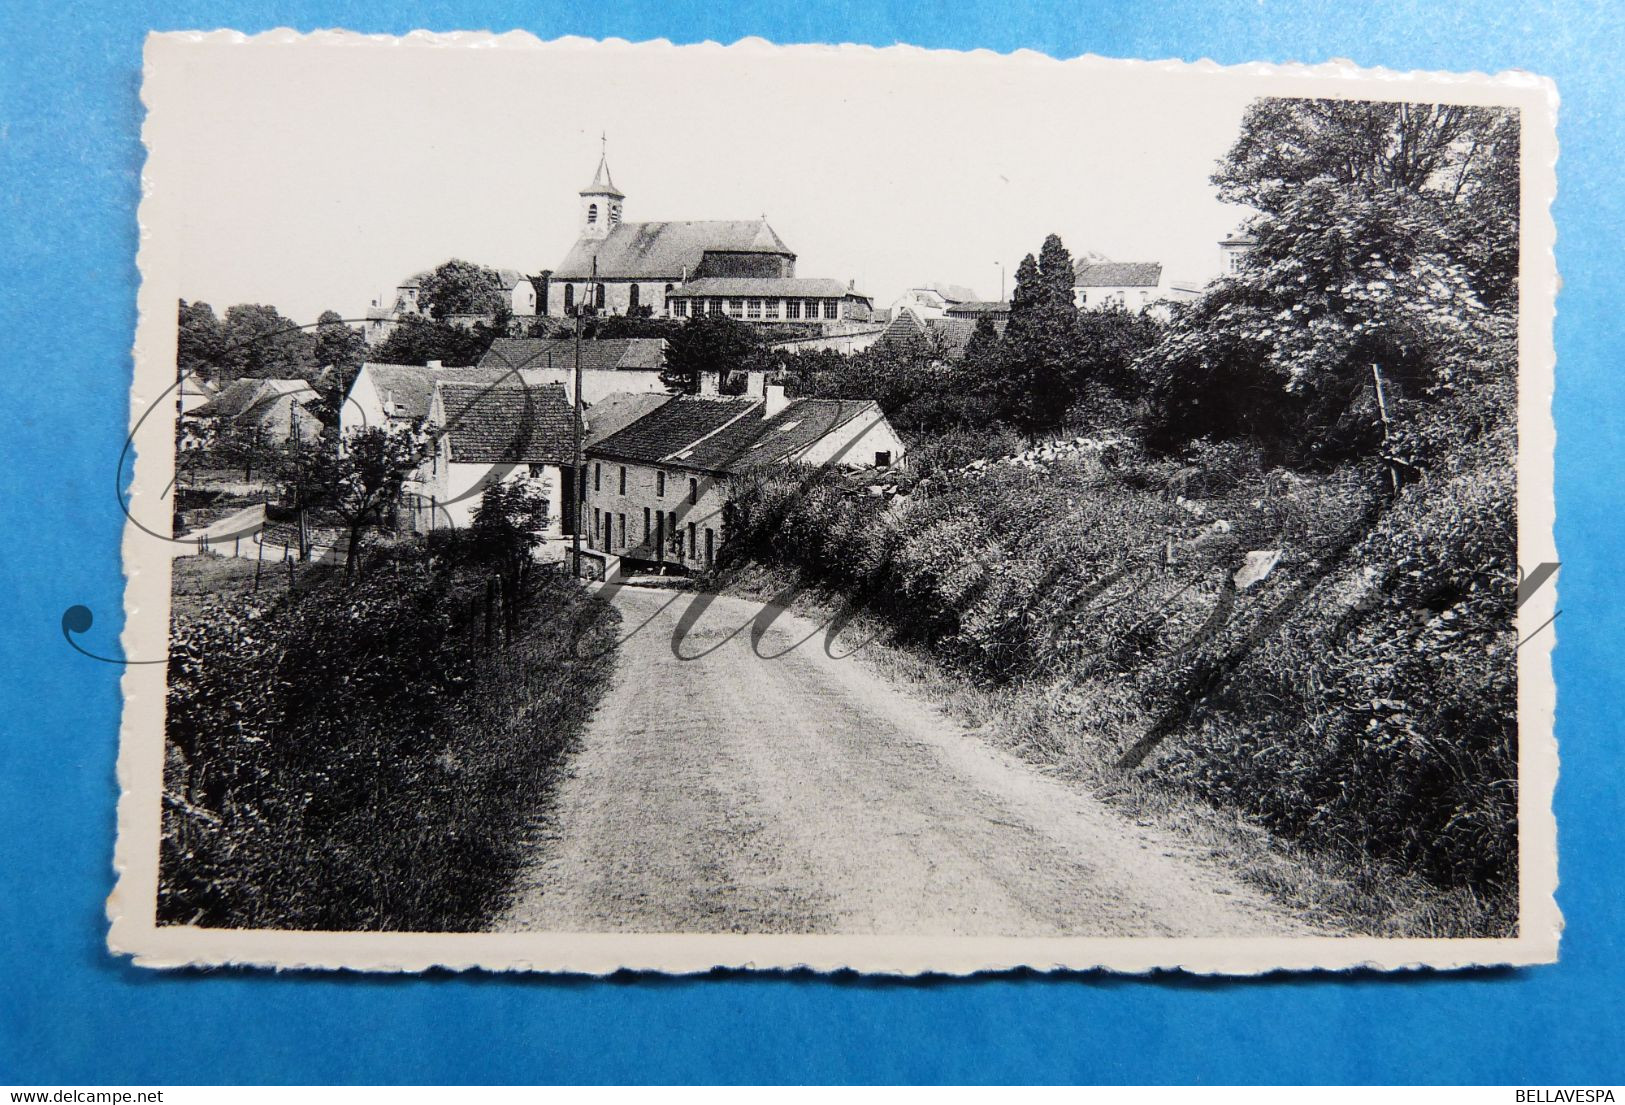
(480, 434)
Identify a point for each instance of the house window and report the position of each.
(597, 527)
(597, 477)
(792, 308)
(621, 519)
(812, 309)
(645, 525)
(592, 214)
(673, 534)
(693, 490)
(569, 298)
(883, 458)
(693, 542)
(632, 298)
(660, 485)
(623, 479)
(772, 308)
(1083, 299)
(538, 471)
(832, 308)
(679, 307)
(716, 306)
(753, 308)
(736, 307)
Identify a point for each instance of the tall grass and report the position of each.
(366, 758)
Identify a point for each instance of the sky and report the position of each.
(316, 174)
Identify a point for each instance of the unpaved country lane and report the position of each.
(773, 788)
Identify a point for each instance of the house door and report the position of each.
(660, 536)
(710, 545)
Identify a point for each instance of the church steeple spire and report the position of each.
(601, 200)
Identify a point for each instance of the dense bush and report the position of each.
(363, 758)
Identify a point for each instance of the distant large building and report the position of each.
(735, 267)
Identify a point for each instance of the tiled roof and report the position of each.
(247, 396)
(614, 413)
(510, 277)
(754, 441)
(909, 327)
(409, 386)
(980, 307)
(951, 293)
(674, 426)
(667, 250)
(1117, 274)
(507, 424)
(611, 354)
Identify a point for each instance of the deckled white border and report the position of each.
(131, 906)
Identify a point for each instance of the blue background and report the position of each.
(70, 158)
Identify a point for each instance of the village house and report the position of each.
(1233, 250)
(273, 409)
(480, 434)
(653, 493)
(1132, 285)
(932, 300)
(394, 396)
(939, 338)
(609, 366)
(997, 310)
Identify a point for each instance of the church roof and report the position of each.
(601, 184)
(792, 286)
(1117, 274)
(667, 250)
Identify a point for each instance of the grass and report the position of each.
(1336, 893)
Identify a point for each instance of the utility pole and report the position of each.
(1382, 412)
(578, 478)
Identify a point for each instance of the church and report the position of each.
(627, 268)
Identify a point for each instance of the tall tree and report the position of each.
(462, 288)
(1372, 260)
(1461, 160)
(260, 343)
(339, 352)
(1041, 343)
(416, 340)
(199, 342)
(710, 343)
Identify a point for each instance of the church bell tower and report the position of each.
(600, 202)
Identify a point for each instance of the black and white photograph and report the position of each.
(599, 505)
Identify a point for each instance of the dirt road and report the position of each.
(732, 787)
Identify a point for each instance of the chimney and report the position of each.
(776, 401)
(754, 382)
(435, 364)
(710, 384)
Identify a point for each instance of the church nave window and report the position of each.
(632, 298)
